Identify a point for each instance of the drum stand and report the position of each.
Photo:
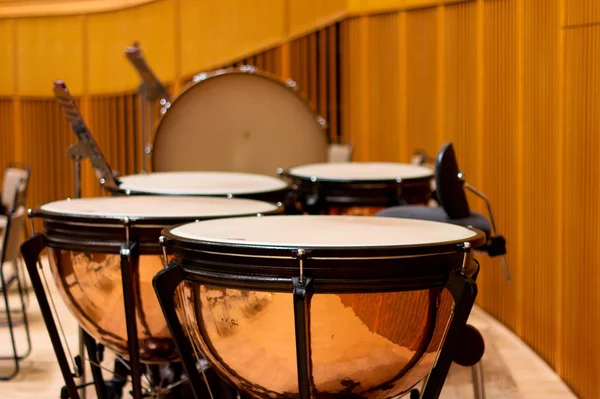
(460, 285)
(76, 153)
(129, 257)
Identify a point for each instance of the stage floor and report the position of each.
(511, 369)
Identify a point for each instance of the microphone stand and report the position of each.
(150, 91)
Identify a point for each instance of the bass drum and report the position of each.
(238, 120)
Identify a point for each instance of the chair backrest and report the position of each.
(12, 234)
(449, 187)
(15, 178)
(340, 152)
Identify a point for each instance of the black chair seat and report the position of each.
(475, 219)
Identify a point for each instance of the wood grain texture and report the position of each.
(582, 218)
(7, 53)
(49, 49)
(153, 26)
(514, 84)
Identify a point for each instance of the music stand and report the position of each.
(85, 147)
(150, 90)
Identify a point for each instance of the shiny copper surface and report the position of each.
(355, 210)
(91, 286)
(363, 345)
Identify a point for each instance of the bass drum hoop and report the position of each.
(244, 69)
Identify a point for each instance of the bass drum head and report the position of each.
(238, 121)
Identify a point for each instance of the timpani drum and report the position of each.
(361, 188)
(85, 238)
(239, 120)
(319, 306)
(214, 184)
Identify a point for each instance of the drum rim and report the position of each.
(312, 252)
(119, 189)
(391, 181)
(110, 221)
(306, 180)
(243, 69)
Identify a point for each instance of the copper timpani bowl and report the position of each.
(84, 237)
(376, 313)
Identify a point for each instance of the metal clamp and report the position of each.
(301, 255)
(126, 223)
(485, 199)
(466, 269)
(162, 240)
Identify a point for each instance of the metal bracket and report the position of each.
(464, 292)
(302, 293)
(165, 283)
(129, 262)
(492, 220)
(31, 250)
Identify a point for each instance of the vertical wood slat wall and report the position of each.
(514, 84)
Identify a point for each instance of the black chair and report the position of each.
(9, 253)
(454, 207)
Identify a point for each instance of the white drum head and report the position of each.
(242, 122)
(324, 231)
(157, 207)
(356, 171)
(200, 183)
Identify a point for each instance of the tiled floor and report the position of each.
(511, 369)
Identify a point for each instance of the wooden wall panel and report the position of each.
(153, 26)
(461, 87)
(49, 49)
(115, 123)
(582, 12)
(7, 50)
(47, 137)
(514, 84)
(582, 217)
(422, 79)
(500, 148)
(268, 61)
(217, 33)
(539, 290)
(314, 67)
(354, 96)
(383, 83)
(305, 15)
(7, 138)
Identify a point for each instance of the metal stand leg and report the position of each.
(144, 117)
(302, 296)
(11, 323)
(15, 356)
(90, 344)
(165, 283)
(129, 260)
(464, 291)
(81, 350)
(31, 250)
(478, 381)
